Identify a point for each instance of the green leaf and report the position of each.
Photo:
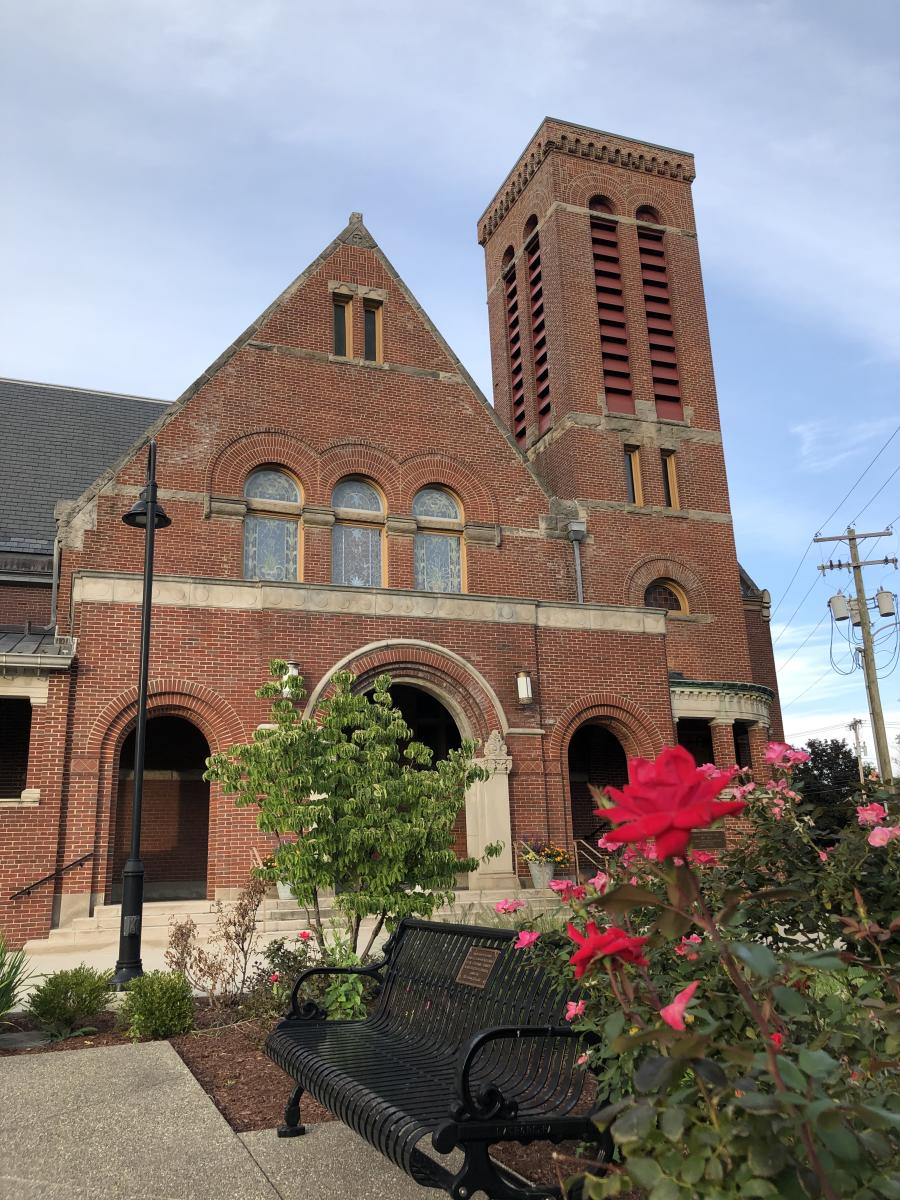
(793, 1077)
(757, 957)
(626, 897)
(654, 1074)
(789, 1001)
(634, 1124)
(644, 1171)
(816, 1063)
(666, 1189)
(710, 1072)
(613, 1025)
(881, 1116)
(876, 1145)
(714, 1172)
(759, 1187)
(822, 960)
(842, 1143)
(888, 1186)
(757, 1102)
(766, 1158)
(692, 1168)
(672, 1123)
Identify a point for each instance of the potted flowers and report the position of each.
(544, 860)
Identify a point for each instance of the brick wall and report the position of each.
(21, 602)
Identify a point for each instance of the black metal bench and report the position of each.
(465, 1043)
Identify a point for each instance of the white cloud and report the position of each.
(829, 441)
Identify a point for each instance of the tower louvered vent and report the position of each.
(660, 332)
(614, 355)
(538, 334)
(516, 371)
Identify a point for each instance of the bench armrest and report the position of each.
(489, 1101)
(310, 1011)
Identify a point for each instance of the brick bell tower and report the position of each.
(603, 373)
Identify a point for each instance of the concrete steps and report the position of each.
(276, 917)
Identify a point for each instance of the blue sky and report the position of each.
(169, 167)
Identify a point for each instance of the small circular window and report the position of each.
(662, 593)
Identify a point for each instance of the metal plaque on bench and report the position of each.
(477, 966)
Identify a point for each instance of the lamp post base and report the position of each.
(128, 964)
(125, 972)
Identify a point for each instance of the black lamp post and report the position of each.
(146, 514)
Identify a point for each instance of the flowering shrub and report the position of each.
(735, 1067)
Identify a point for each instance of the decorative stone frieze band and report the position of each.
(102, 587)
(720, 701)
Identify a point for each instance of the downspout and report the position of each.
(577, 531)
(54, 591)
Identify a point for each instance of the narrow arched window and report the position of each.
(272, 526)
(356, 539)
(664, 593)
(438, 549)
(658, 313)
(518, 414)
(538, 326)
(615, 355)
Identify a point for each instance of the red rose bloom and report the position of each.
(665, 800)
(611, 943)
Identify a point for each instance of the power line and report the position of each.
(827, 671)
(877, 494)
(859, 479)
(787, 624)
(805, 640)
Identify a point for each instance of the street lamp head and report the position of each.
(136, 517)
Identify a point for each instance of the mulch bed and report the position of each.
(225, 1055)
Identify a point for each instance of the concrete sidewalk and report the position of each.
(132, 1123)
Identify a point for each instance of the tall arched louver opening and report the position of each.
(538, 326)
(658, 309)
(614, 354)
(514, 340)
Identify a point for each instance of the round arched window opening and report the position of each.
(648, 214)
(663, 593)
(600, 204)
(272, 548)
(356, 536)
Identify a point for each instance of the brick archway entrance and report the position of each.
(175, 813)
(596, 759)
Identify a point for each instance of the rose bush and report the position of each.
(737, 1064)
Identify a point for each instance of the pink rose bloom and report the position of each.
(870, 814)
(599, 882)
(882, 834)
(780, 754)
(605, 844)
(685, 948)
(574, 1011)
(823, 854)
(274, 977)
(525, 939)
(581, 1059)
(703, 858)
(561, 886)
(673, 1014)
(508, 906)
(304, 935)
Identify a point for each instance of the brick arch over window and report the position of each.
(478, 502)
(466, 692)
(592, 182)
(227, 470)
(639, 736)
(651, 569)
(356, 458)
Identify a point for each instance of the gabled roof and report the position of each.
(53, 442)
(353, 234)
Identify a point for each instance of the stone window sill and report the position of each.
(30, 798)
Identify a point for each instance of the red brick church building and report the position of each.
(553, 575)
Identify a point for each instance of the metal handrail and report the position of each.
(584, 850)
(76, 862)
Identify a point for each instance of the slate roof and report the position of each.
(54, 442)
(21, 643)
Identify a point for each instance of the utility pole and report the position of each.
(882, 750)
(854, 728)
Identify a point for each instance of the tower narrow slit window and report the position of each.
(538, 327)
(614, 350)
(357, 534)
(669, 479)
(342, 313)
(633, 486)
(514, 344)
(272, 526)
(658, 310)
(372, 324)
(438, 542)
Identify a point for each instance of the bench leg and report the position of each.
(292, 1126)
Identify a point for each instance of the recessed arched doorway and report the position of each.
(596, 759)
(174, 814)
(433, 726)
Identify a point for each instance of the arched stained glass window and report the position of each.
(356, 548)
(663, 593)
(271, 542)
(438, 552)
(434, 502)
(356, 493)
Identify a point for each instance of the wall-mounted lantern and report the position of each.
(524, 690)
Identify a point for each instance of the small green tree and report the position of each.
(829, 782)
(358, 806)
